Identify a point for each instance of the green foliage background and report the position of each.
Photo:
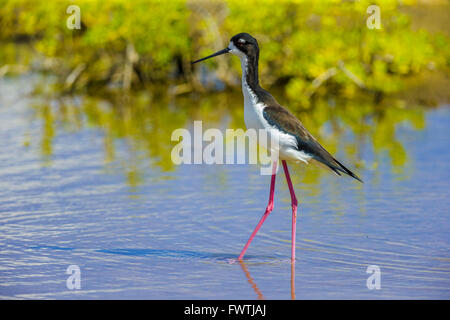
(316, 57)
(300, 41)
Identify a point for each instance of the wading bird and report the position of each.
(262, 111)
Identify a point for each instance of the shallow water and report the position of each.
(138, 229)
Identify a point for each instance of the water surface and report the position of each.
(83, 183)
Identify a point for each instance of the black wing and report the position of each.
(285, 121)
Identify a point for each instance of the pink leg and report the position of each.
(294, 208)
(266, 213)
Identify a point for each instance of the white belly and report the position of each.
(254, 119)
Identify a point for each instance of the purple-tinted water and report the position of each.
(172, 237)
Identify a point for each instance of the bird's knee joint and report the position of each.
(269, 208)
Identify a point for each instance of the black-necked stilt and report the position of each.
(262, 111)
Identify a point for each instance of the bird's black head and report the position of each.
(241, 45)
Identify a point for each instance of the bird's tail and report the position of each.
(339, 167)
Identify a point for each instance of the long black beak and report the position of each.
(218, 53)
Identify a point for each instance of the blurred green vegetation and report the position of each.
(132, 44)
(362, 133)
(317, 57)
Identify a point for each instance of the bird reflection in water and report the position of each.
(255, 287)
